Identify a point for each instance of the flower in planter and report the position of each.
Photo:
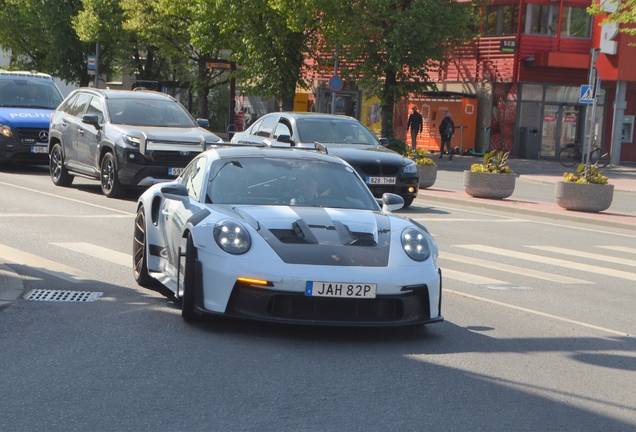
(420, 157)
(494, 162)
(591, 174)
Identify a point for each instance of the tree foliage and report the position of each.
(620, 12)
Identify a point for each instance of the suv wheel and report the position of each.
(59, 173)
(408, 202)
(111, 187)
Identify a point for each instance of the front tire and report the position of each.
(600, 157)
(59, 173)
(140, 250)
(569, 156)
(111, 187)
(188, 302)
(407, 202)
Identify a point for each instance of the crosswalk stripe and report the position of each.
(512, 269)
(65, 216)
(8, 254)
(589, 268)
(436, 219)
(582, 254)
(470, 278)
(620, 249)
(99, 252)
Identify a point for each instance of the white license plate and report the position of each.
(381, 180)
(175, 171)
(340, 289)
(39, 149)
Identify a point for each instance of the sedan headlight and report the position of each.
(410, 168)
(232, 237)
(5, 130)
(131, 140)
(415, 244)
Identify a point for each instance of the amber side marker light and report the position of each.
(253, 281)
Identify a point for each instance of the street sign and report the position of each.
(587, 94)
(335, 83)
(91, 63)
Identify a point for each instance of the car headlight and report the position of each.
(415, 244)
(131, 140)
(232, 237)
(410, 168)
(5, 130)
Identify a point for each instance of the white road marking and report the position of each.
(553, 261)
(543, 314)
(620, 249)
(70, 216)
(469, 278)
(99, 252)
(68, 199)
(512, 269)
(435, 219)
(582, 254)
(53, 268)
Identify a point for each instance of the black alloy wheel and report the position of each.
(140, 248)
(111, 187)
(59, 174)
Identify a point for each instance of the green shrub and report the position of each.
(494, 162)
(582, 175)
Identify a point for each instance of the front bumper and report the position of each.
(13, 150)
(136, 169)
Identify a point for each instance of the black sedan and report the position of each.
(383, 170)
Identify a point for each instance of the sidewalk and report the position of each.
(534, 191)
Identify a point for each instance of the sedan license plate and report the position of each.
(381, 180)
(175, 171)
(39, 149)
(340, 289)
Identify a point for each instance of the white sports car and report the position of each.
(285, 235)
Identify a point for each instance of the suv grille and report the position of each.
(31, 136)
(171, 157)
(386, 170)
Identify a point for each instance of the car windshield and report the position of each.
(149, 112)
(286, 181)
(334, 130)
(18, 92)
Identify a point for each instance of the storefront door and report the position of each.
(562, 124)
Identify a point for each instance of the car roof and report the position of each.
(298, 115)
(25, 74)
(127, 94)
(230, 151)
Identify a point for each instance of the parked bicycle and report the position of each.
(572, 154)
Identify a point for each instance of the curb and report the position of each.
(11, 286)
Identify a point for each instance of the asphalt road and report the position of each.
(538, 336)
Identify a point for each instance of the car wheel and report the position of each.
(59, 174)
(111, 187)
(408, 202)
(188, 300)
(140, 248)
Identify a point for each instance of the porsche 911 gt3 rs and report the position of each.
(285, 235)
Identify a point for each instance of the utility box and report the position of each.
(530, 143)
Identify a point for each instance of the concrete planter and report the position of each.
(585, 197)
(428, 175)
(489, 185)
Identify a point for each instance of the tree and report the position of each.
(39, 36)
(619, 12)
(391, 47)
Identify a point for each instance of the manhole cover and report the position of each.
(62, 296)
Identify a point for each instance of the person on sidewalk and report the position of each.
(446, 131)
(415, 124)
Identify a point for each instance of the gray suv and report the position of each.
(123, 138)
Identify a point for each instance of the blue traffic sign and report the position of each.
(335, 83)
(587, 94)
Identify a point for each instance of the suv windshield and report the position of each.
(334, 130)
(20, 92)
(149, 112)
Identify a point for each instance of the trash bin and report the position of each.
(530, 143)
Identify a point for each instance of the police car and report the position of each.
(27, 100)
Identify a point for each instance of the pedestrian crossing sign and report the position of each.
(587, 94)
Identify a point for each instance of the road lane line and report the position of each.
(553, 261)
(68, 199)
(535, 312)
(44, 215)
(512, 269)
(620, 249)
(99, 252)
(435, 219)
(582, 254)
(53, 268)
(471, 278)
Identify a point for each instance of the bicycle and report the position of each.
(572, 154)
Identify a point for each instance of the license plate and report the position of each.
(340, 289)
(175, 171)
(39, 149)
(381, 180)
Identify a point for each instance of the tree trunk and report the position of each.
(388, 104)
(203, 89)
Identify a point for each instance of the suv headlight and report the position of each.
(5, 130)
(415, 244)
(232, 237)
(131, 140)
(410, 168)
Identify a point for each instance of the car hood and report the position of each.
(360, 154)
(321, 236)
(25, 117)
(193, 134)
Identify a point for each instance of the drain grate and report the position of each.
(62, 296)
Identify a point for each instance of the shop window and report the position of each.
(501, 20)
(544, 20)
(576, 22)
(533, 92)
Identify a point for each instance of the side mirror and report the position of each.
(204, 123)
(391, 202)
(176, 191)
(384, 141)
(92, 120)
(286, 139)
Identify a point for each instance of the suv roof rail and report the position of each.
(29, 74)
